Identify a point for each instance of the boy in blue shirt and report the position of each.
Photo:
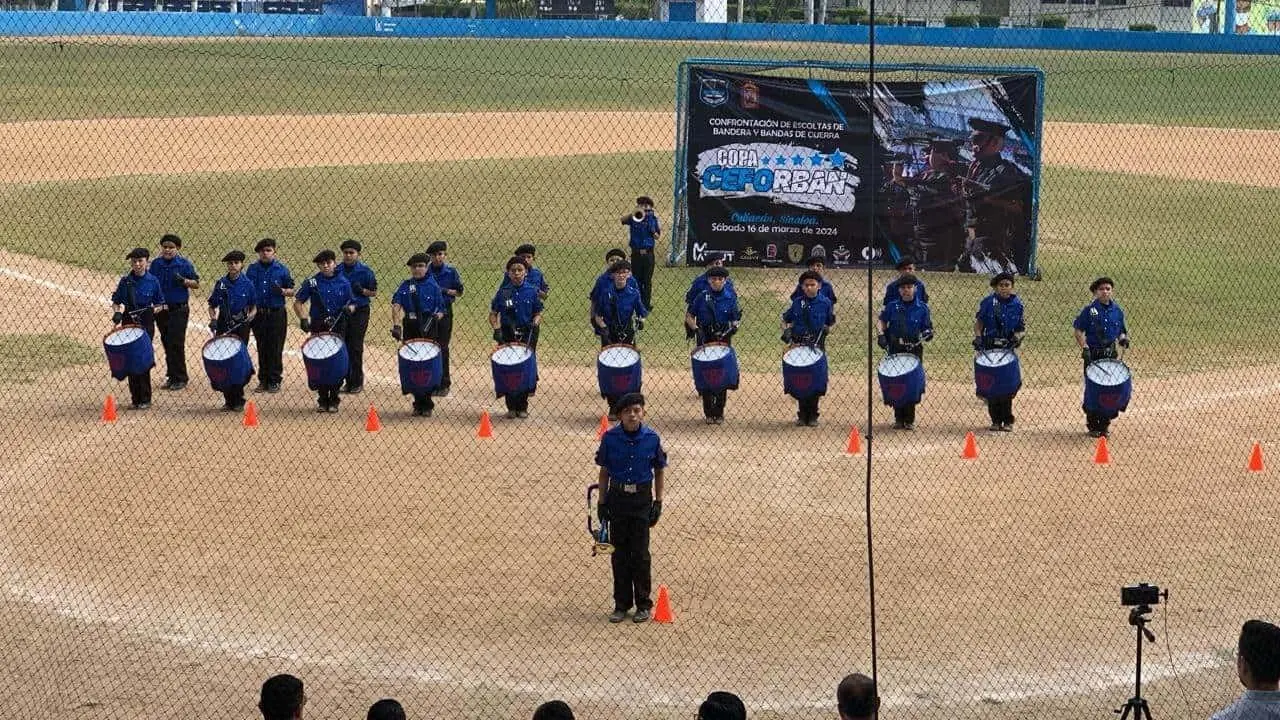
(137, 298)
(364, 285)
(1000, 324)
(231, 312)
(177, 276)
(807, 322)
(514, 315)
(420, 303)
(714, 316)
(905, 325)
(332, 302)
(1099, 328)
(643, 232)
(450, 282)
(272, 283)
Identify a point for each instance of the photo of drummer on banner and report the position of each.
(231, 312)
(905, 326)
(995, 191)
(936, 207)
(514, 315)
(136, 300)
(618, 316)
(714, 317)
(417, 308)
(714, 259)
(808, 322)
(998, 328)
(331, 302)
(1099, 330)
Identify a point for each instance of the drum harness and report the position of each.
(133, 300)
(508, 311)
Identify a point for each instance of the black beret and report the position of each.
(1104, 280)
(615, 252)
(620, 265)
(905, 261)
(233, 256)
(714, 256)
(987, 126)
(627, 401)
(718, 272)
(526, 249)
(1001, 277)
(437, 246)
(171, 238)
(418, 259)
(138, 253)
(351, 245)
(324, 256)
(811, 275)
(264, 243)
(907, 279)
(644, 200)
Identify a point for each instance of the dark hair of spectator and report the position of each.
(282, 697)
(856, 696)
(553, 710)
(1260, 650)
(386, 709)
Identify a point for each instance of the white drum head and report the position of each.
(512, 354)
(1107, 372)
(898, 364)
(802, 356)
(995, 358)
(223, 348)
(124, 336)
(419, 350)
(711, 353)
(320, 347)
(619, 356)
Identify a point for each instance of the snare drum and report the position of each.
(1108, 385)
(901, 379)
(421, 366)
(618, 370)
(226, 362)
(997, 373)
(715, 368)
(129, 351)
(325, 356)
(515, 369)
(804, 372)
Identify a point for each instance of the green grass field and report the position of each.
(24, 357)
(122, 77)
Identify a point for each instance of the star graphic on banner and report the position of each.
(780, 160)
(764, 160)
(797, 160)
(816, 159)
(837, 159)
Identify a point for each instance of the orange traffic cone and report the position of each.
(1255, 459)
(662, 611)
(371, 421)
(970, 451)
(604, 426)
(486, 427)
(250, 415)
(1102, 456)
(109, 409)
(855, 442)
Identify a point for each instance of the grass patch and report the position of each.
(126, 78)
(25, 357)
(1168, 243)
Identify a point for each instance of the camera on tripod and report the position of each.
(1139, 598)
(1140, 594)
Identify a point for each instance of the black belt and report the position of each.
(642, 251)
(176, 305)
(262, 310)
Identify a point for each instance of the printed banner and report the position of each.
(783, 169)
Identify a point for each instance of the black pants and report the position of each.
(444, 333)
(808, 409)
(517, 402)
(631, 562)
(905, 414)
(172, 324)
(1001, 409)
(233, 397)
(713, 403)
(642, 262)
(140, 384)
(269, 328)
(327, 395)
(353, 335)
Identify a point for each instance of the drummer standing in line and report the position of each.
(137, 298)
(364, 285)
(817, 263)
(534, 278)
(906, 266)
(420, 303)
(177, 276)
(807, 322)
(604, 281)
(714, 316)
(332, 301)
(700, 285)
(618, 314)
(1099, 328)
(999, 325)
(231, 312)
(514, 315)
(905, 325)
(450, 282)
(272, 283)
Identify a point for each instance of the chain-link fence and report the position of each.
(163, 564)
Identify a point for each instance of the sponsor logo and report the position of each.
(869, 253)
(840, 254)
(749, 254)
(713, 91)
(795, 252)
(818, 252)
(700, 250)
(749, 95)
(771, 251)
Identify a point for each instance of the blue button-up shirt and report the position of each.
(1101, 324)
(534, 278)
(233, 296)
(326, 295)
(1000, 319)
(360, 276)
(905, 321)
(517, 304)
(643, 233)
(604, 281)
(266, 278)
(715, 310)
(136, 292)
(701, 285)
(891, 292)
(630, 458)
(419, 298)
(447, 277)
(827, 290)
(809, 318)
(617, 306)
(170, 274)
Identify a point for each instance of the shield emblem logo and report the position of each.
(116, 362)
(420, 378)
(713, 91)
(795, 252)
(750, 95)
(895, 390)
(985, 382)
(714, 376)
(802, 381)
(217, 375)
(508, 381)
(1109, 401)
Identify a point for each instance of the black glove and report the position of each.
(497, 335)
(655, 512)
(1124, 343)
(639, 323)
(304, 324)
(1016, 342)
(977, 344)
(604, 513)
(786, 335)
(357, 290)
(1084, 354)
(883, 341)
(397, 332)
(213, 326)
(926, 334)
(117, 318)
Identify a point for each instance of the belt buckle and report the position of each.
(411, 316)
(630, 488)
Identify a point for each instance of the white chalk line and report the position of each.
(1003, 687)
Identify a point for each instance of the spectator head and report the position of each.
(282, 698)
(856, 697)
(386, 709)
(553, 710)
(721, 705)
(614, 255)
(1258, 662)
